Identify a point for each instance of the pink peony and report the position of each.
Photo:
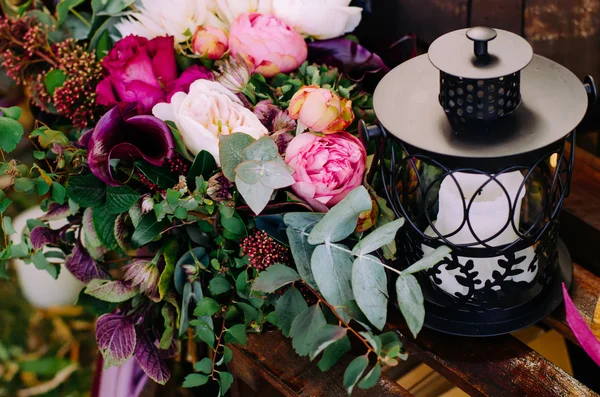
(321, 110)
(267, 44)
(210, 42)
(327, 168)
(143, 72)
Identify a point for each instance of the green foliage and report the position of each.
(230, 151)
(288, 307)
(56, 77)
(304, 327)
(104, 225)
(110, 291)
(86, 190)
(120, 199)
(11, 132)
(275, 277)
(410, 300)
(354, 372)
(148, 229)
(369, 285)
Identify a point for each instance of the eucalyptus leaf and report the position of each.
(230, 152)
(369, 285)
(341, 220)
(299, 226)
(288, 307)
(428, 261)
(381, 236)
(333, 353)
(410, 301)
(262, 150)
(275, 175)
(257, 196)
(324, 337)
(371, 378)
(354, 372)
(332, 270)
(249, 172)
(275, 277)
(304, 327)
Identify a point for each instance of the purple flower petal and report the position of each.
(191, 74)
(354, 59)
(148, 356)
(172, 351)
(121, 134)
(83, 267)
(116, 338)
(41, 236)
(580, 329)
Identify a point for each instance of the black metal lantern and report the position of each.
(485, 173)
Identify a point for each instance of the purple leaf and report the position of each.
(116, 338)
(172, 351)
(148, 356)
(580, 329)
(121, 231)
(56, 211)
(41, 236)
(123, 135)
(90, 237)
(110, 291)
(83, 266)
(354, 59)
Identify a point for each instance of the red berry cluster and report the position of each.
(177, 165)
(263, 251)
(153, 187)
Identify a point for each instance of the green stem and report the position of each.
(78, 15)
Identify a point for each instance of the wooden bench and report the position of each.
(498, 366)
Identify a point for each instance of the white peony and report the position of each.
(229, 10)
(177, 18)
(208, 111)
(320, 19)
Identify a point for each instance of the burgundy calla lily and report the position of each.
(122, 134)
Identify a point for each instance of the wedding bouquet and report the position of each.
(205, 158)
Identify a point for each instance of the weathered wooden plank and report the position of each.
(502, 14)
(498, 366)
(270, 357)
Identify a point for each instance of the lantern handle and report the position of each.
(590, 88)
(367, 133)
(481, 36)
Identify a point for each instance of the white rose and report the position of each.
(321, 19)
(208, 111)
(229, 10)
(178, 18)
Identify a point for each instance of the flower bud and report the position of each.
(210, 42)
(321, 110)
(144, 275)
(219, 188)
(147, 204)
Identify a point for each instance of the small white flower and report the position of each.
(229, 10)
(177, 18)
(320, 19)
(207, 112)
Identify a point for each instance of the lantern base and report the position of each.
(499, 322)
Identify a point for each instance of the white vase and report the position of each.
(38, 286)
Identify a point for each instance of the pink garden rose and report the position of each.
(210, 42)
(267, 44)
(143, 72)
(321, 110)
(327, 168)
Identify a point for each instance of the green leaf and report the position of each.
(304, 327)
(148, 229)
(242, 285)
(204, 165)
(104, 45)
(371, 378)
(178, 140)
(428, 261)
(249, 172)
(325, 337)
(41, 263)
(250, 313)
(166, 277)
(62, 9)
(87, 190)
(381, 236)
(104, 225)
(226, 380)
(110, 291)
(13, 112)
(160, 176)
(226, 357)
(120, 199)
(341, 220)
(169, 322)
(275, 277)
(256, 195)
(369, 285)
(45, 367)
(110, 7)
(78, 29)
(194, 380)
(373, 340)
(262, 150)
(59, 193)
(11, 132)
(8, 226)
(204, 332)
(333, 353)
(354, 371)
(206, 307)
(4, 204)
(55, 78)
(204, 366)
(332, 269)
(230, 151)
(237, 333)
(24, 184)
(410, 300)
(299, 226)
(234, 225)
(288, 307)
(276, 175)
(219, 285)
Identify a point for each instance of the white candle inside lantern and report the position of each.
(488, 216)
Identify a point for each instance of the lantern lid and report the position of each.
(554, 102)
(480, 53)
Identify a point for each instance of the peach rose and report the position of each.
(210, 42)
(321, 110)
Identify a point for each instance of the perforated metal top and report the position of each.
(554, 102)
(454, 53)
